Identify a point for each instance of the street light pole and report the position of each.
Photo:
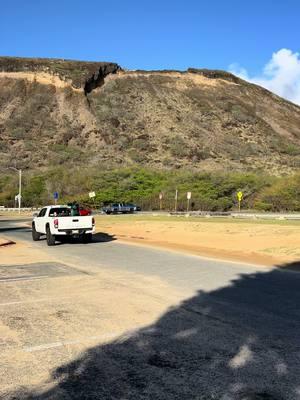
(20, 185)
(176, 199)
(20, 189)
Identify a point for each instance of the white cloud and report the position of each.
(280, 75)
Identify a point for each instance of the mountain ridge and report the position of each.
(55, 111)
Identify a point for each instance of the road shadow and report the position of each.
(238, 342)
(293, 266)
(99, 237)
(103, 237)
(14, 228)
(15, 220)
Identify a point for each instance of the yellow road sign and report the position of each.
(239, 195)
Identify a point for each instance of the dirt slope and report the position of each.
(57, 112)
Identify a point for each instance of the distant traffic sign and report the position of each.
(55, 195)
(189, 195)
(239, 195)
(92, 194)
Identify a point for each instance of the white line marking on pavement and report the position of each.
(46, 346)
(28, 278)
(11, 303)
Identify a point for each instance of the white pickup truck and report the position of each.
(57, 222)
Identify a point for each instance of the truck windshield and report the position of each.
(59, 212)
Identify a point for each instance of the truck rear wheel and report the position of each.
(35, 235)
(50, 237)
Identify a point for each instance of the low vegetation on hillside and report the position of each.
(129, 135)
(210, 191)
(199, 119)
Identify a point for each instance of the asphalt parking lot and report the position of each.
(114, 321)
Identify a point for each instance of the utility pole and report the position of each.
(176, 199)
(188, 196)
(20, 189)
(160, 201)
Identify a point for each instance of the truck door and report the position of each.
(40, 221)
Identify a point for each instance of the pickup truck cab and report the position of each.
(57, 222)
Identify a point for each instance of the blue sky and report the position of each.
(153, 34)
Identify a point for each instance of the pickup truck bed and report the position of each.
(57, 222)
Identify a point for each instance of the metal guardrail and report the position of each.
(279, 216)
(238, 215)
(23, 209)
(200, 214)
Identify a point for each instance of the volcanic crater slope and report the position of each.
(63, 112)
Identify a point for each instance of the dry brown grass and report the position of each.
(260, 243)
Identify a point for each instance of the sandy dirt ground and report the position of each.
(265, 243)
(67, 329)
(4, 241)
(51, 313)
(40, 77)
(20, 253)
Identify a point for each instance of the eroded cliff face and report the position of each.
(64, 112)
(78, 74)
(97, 78)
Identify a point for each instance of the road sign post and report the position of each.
(188, 196)
(20, 189)
(239, 196)
(18, 200)
(176, 200)
(160, 200)
(92, 195)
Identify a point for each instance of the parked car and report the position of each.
(135, 207)
(84, 211)
(57, 221)
(118, 208)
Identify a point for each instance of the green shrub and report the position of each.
(34, 192)
(210, 191)
(283, 195)
(241, 114)
(178, 147)
(136, 155)
(291, 149)
(62, 153)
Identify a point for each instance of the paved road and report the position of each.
(236, 336)
(189, 273)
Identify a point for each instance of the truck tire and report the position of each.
(35, 235)
(87, 238)
(50, 237)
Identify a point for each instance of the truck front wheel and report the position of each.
(50, 237)
(35, 235)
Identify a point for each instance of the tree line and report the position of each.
(211, 191)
